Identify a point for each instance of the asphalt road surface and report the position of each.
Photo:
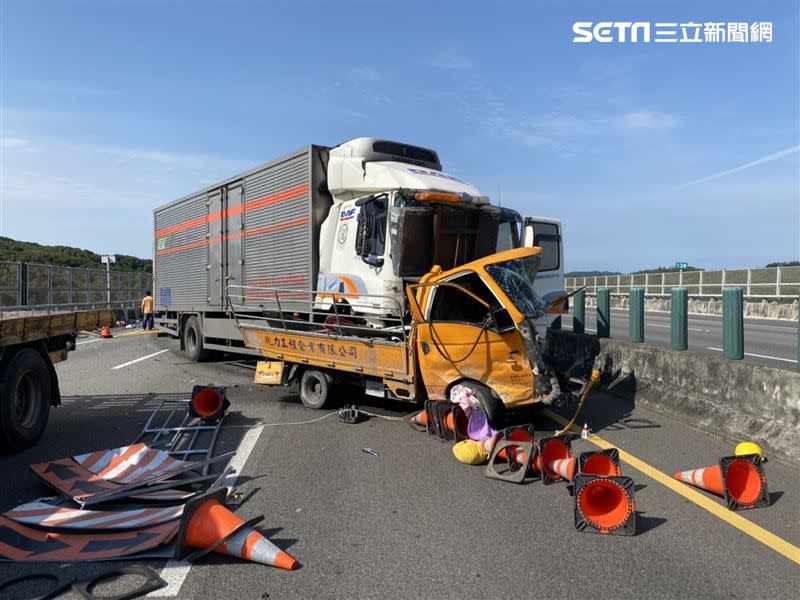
(767, 342)
(412, 522)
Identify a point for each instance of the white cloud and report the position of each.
(451, 58)
(646, 120)
(13, 142)
(364, 73)
(748, 165)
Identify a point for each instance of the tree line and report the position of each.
(67, 256)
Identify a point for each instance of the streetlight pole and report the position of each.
(107, 260)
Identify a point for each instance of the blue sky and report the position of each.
(111, 109)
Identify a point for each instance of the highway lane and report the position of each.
(768, 342)
(412, 522)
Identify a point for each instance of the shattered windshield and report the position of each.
(515, 277)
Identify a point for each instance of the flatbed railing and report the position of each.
(317, 312)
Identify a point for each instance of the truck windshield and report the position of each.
(515, 277)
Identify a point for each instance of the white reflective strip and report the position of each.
(102, 463)
(134, 459)
(104, 517)
(166, 514)
(151, 466)
(264, 552)
(697, 477)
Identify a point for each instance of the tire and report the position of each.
(315, 388)
(493, 407)
(25, 397)
(193, 340)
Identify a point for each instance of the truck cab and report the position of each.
(395, 214)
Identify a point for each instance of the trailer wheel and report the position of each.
(25, 396)
(314, 388)
(193, 340)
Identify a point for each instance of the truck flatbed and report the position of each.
(22, 328)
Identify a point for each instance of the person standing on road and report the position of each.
(147, 311)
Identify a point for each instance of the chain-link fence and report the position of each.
(31, 286)
(775, 282)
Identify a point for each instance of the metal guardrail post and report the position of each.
(636, 315)
(579, 311)
(603, 312)
(732, 323)
(679, 318)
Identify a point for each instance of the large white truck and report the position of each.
(350, 224)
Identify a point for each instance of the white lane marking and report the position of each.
(175, 571)
(130, 362)
(670, 326)
(759, 355)
(88, 341)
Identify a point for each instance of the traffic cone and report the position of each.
(739, 479)
(585, 432)
(604, 505)
(208, 403)
(516, 446)
(600, 462)
(420, 418)
(207, 524)
(564, 468)
(105, 332)
(457, 422)
(550, 450)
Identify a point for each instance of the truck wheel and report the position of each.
(493, 407)
(314, 388)
(25, 396)
(193, 340)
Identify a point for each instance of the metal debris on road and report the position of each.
(370, 451)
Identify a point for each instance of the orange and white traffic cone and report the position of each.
(739, 479)
(516, 446)
(554, 449)
(208, 403)
(207, 524)
(600, 462)
(605, 505)
(105, 332)
(564, 468)
(457, 423)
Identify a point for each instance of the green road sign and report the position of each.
(681, 266)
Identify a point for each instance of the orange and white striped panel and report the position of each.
(44, 515)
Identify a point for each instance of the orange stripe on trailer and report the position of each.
(247, 233)
(231, 212)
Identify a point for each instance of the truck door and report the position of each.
(456, 341)
(550, 283)
(214, 238)
(234, 225)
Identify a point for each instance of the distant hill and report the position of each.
(591, 273)
(669, 269)
(66, 256)
(788, 263)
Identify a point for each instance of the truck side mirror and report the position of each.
(501, 320)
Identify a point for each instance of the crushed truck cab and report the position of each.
(472, 324)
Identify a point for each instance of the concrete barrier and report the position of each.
(764, 308)
(733, 400)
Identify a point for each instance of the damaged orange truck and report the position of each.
(471, 325)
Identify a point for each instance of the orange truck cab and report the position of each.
(471, 325)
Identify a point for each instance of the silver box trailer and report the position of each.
(258, 228)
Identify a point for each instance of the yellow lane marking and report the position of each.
(140, 332)
(90, 333)
(757, 532)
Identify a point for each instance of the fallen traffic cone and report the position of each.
(564, 468)
(604, 505)
(208, 525)
(550, 450)
(600, 462)
(457, 422)
(517, 446)
(208, 403)
(105, 332)
(420, 419)
(739, 479)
